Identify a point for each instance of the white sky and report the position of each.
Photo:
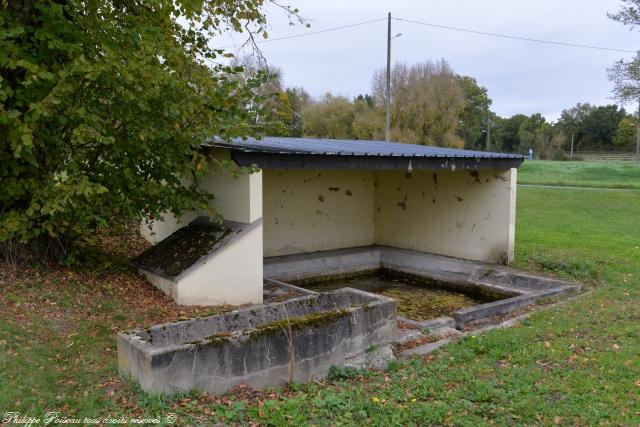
(521, 77)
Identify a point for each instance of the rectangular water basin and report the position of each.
(466, 283)
(262, 346)
(417, 297)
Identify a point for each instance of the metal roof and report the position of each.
(337, 147)
(307, 153)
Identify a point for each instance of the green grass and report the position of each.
(581, 174)
(574, 364)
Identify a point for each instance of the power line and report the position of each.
(505, 36)
(444, 27)
(293, 36)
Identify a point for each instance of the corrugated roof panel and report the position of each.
(332, 147)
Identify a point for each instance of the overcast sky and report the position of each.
(521, 77)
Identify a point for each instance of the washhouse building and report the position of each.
(310, 196)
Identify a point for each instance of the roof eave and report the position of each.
(274, 160)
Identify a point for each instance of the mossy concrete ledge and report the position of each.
(256, 346)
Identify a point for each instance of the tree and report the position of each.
(368, 121)
(473, 120)
(625, 135)
(537, 134)
(103, 109)
(299, 99)
(571, 121)
(599, 125)
(505, 133)
(625, 75)
(426, 102)
(330, 117)
(628, 14)
(273, 114)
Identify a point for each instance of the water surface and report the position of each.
(416, 298)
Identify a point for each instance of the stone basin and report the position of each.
(262, 346)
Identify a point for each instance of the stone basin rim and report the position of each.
(136, 336)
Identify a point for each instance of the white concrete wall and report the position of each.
(159, 230)
(238, 197)
(464, 214)
(314, 210)
(233, 275)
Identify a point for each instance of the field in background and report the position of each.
(580, 174)
(575, 364)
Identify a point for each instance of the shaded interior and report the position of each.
(417, 297)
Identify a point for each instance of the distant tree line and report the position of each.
(432, 105)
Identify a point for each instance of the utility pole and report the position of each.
(571, 157)
(489, 131)
(387, 128)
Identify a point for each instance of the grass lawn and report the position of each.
(581, 174)
(574, 364)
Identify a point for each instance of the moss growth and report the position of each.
(372, 348)
(216, 340)
(332, 277)
(182, 249)
(416, 297)
(297, 323)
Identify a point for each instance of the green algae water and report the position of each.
(417, 298)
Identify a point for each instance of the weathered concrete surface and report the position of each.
(406, 335)
(425, 348)
(290, 287)
(467, 214)
(482, 311)
(517, 288)
(449, 334)
(234, 259)
(438, 322)
(319, 264)
(256, 346)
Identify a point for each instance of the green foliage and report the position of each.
(426, 103)
(279, 115)
(506, 133)
(330, 117)
(473, 120)
(625, 134)
(298, 99)
(273, 111)
(625, 76)
(343, 373)
(539, 135)
(593, 127)
(103, 107)
(599, 126)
